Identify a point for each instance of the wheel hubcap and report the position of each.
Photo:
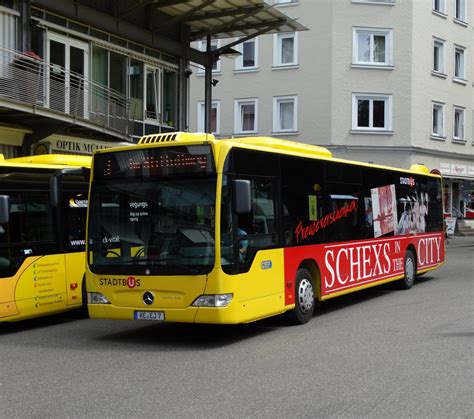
(409, 270)
(305, 295)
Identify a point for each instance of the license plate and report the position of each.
(149, 315)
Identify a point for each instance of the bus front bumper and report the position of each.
(211, 315)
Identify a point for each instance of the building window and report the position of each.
(285, 111)
(8, 32)
(153, 94)
(438, 120)
(438, 56)
(439, 6)
(458, 124)
(202, 46)
(246, 116)
(371, 112)
(8, 40)
(137, 87)
(460, 10)
(285, 49)
(215, 117)
(248, 60)
(459, 63)
(372, 47)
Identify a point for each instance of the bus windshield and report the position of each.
(35, 227)
(164, 227)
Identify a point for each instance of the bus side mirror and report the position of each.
(4, 209)
(55, 183)
(242, 196)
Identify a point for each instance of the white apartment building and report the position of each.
(383, 81)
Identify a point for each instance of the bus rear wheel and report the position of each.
(410, 271)
(304, 298)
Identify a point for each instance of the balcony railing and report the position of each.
(28, 79)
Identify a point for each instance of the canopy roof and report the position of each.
(226, 18)
(172, 25)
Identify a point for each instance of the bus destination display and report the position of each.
(155, 162)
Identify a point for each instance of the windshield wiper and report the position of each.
(177, 265)
(138, 260)
(187, 268)
(162, 263)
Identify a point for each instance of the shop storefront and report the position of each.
(11, 139)
(458, 189)
(62, 144)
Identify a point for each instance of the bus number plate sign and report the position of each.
(149, 315)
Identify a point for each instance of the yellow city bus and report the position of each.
(43, 208)
(187, 228)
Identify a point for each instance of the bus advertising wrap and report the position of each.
(313, 228)
(354, 264)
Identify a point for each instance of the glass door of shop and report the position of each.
(68, 75)
(153, 94)
(456, 200)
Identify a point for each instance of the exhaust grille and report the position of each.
(158, 138)
(175, 136)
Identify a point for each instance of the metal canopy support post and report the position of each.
(208, 86)
(239, 28)
(228, 46)
(25, 32)
(182, 96)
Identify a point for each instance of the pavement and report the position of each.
(460, 241)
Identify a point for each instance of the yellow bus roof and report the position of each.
(47, 160)
(269, 144)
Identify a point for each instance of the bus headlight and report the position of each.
(217, 300)
(96, 298)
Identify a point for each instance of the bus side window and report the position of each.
(75, 210)
(302, 191)
(30, 231)
(31, 218)
(258, 229)
(351, 225)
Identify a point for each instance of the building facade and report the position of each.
(77, 75)
(68, 72)
(383, 81)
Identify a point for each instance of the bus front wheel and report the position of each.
(410, 271)
(304, 297)
(84, 310)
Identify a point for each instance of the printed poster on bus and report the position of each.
(414, 217)
(384, 207)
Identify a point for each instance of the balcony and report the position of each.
(32, 90)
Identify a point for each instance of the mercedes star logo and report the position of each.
(148, 298)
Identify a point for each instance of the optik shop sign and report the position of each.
(75, 146)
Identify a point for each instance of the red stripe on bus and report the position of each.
(348, 265)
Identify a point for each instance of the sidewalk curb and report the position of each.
(460, 241)
(459, 246)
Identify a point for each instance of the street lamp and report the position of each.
(213, 56)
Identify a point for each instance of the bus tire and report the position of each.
(410, 271)
(84, 311)
(304, 298)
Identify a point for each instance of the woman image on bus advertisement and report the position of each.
(384, 210)
(423, 211)
(415, 212)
